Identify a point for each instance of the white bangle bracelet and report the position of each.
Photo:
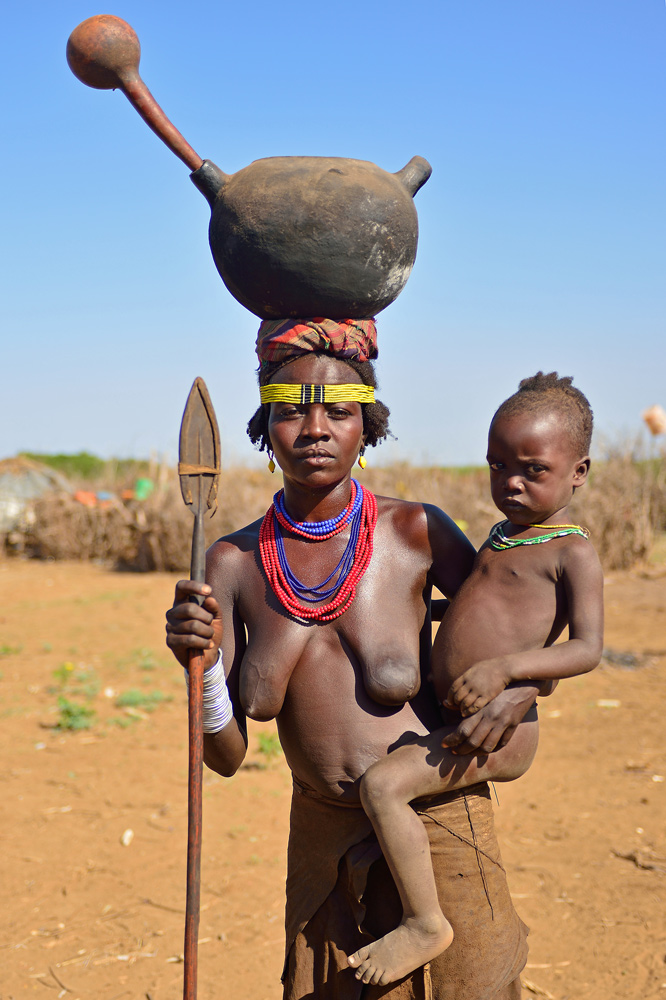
(217, 708)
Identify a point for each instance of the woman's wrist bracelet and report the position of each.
(217, 708)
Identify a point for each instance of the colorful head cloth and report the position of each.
(280, 339)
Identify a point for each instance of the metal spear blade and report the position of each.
(199, 450)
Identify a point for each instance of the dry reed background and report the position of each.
(623, 504)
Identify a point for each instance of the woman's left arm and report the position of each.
(451, 552)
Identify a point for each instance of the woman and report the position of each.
(346, 682)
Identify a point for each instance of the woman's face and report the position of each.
(316, 444)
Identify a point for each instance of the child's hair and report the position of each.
(549, 392)
(375, 415)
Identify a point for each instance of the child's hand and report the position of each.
(477, 686)
(493, 727)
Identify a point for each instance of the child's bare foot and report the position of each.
(408, 947)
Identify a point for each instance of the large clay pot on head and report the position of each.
(313, 236)
(290, 235)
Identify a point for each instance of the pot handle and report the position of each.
(414, 174)
(210, 180)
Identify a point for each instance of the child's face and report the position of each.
(534, 466)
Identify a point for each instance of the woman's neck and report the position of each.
(311, 504)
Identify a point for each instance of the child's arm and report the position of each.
(583, 583)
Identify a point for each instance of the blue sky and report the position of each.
(542, 228)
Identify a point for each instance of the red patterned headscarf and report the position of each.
(281, 339)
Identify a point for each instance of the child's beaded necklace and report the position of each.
(499, 540)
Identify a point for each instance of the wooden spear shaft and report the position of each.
(198, 468)
(194, 824)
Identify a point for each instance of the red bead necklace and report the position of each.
(345, 595)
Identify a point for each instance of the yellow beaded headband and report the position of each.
(301, 394)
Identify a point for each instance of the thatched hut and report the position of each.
(22, 481)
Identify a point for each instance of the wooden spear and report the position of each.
(199, 471)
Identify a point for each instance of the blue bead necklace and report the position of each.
(319, 530)
(319, 591)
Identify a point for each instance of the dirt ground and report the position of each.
(94, 820)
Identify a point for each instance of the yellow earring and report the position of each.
(362, 461)
(271, 463)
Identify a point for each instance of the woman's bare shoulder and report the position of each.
(427, 529)
(230, 553)
(419, 520)
(407, 515)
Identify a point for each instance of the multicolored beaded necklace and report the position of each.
(360, 515)
(499, 540)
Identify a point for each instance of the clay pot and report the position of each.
(292, 236)
(313, 236)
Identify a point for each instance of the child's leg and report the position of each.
(387, 788)
(417, 770)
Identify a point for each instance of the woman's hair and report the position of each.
(375, 415)
(549, 392)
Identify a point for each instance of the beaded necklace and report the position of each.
(499, 540)
(319, 530)
(361, 514)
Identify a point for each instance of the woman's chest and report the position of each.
(371, 651)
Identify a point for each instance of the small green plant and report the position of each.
(142, 659)
(73, 716)
(7, 650)
(82, 680)
(269, 745)
(146, 660)
(122, 721)
(147, 700)
(63, 673)
(85, 682)
(235, 831)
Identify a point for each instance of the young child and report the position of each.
(535, 574)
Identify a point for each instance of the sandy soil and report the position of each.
(94, 911)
